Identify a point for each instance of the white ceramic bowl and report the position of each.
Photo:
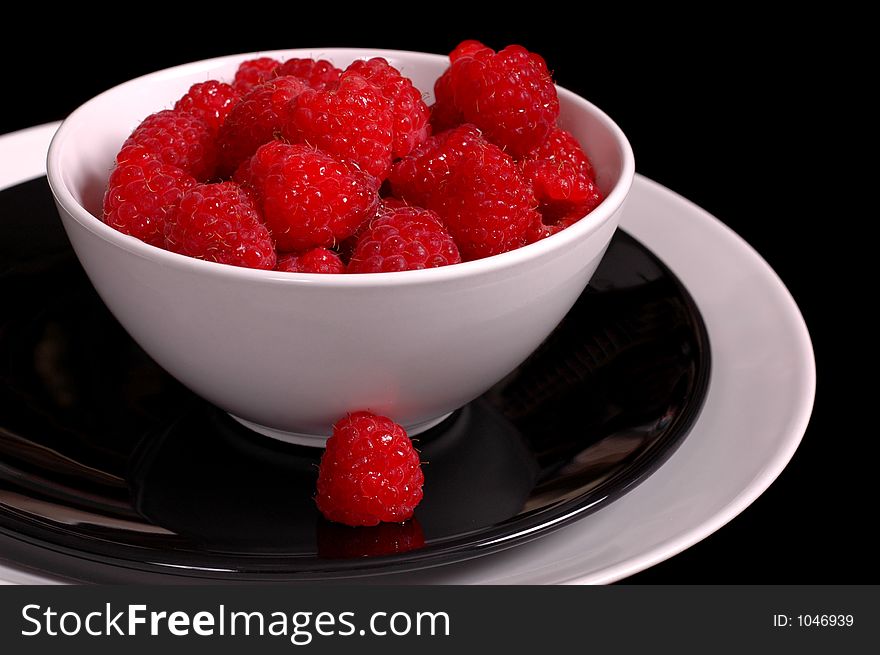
(289, 353)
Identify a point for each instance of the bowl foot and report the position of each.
(318, 440)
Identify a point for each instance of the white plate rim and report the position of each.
(22, 157)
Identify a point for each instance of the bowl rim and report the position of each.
(560, 241)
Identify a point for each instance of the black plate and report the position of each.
(111, 470)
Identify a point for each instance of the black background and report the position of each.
(724, 109)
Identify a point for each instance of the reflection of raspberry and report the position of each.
(509, 95)
(337, 541)
(211, 101)
(421, 177)
(258, 118)
(309, 199)
(318, 260)
(319, 74)
(141, 193)
(369, 472)
(403, 238)
(253, 72)
(354, 123)
(562, 178)
(410, 111)
(220, 223)
(178, 139)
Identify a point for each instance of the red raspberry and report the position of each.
(220, 223)
(470, 48)
(258, 118)
(474, 186)
(141, 193)
(509, 95)
(562, 178)
(488, 207)
(211, 101)
(318, 260)
(309, 199)
(354, 123)
(369, 472)
(444, 114)
(403, 238)
(410, 111)
(319, 74)
(178, 139)
(254, 72)
(421, 177)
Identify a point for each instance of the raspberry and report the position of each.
(354, 123)
(318, 260)
(178, 139)
(487, 206)
(319, 74)
(444, 114)
(309, 199)
(220, 223)
(369, 472)
(509, 95)
(403, 238)
(337, 541)
(562, 178)
(421, 177)
(470, 48)
(141, 193)
(258, 118)
(254, 72)
(474, 186)
(211, 101)
(410, 111)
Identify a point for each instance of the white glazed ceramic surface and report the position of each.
(294, 352)
(757, 408)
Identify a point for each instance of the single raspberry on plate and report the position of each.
(141, 193)
(317, 260)
(421, 177)
(178, 139)
(220, 223)
(259, 117)
(310, 199)
(254, 72)
(562, 178)
(211, 101)
(319, 74)
(354, 123)
(403, 238)
(369, 472)
(410, 111)
(509, 95)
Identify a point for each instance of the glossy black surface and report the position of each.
(107, 464)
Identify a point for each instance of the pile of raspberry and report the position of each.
(300, 166)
